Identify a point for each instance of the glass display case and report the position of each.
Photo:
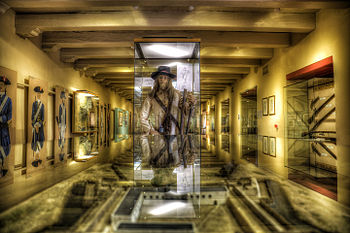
(85, 111)
(121, 124)
(225, 116)
(249, 127)
(85, 146)
(166, 121)
(310, 126)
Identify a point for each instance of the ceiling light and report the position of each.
(169, 51)
(167, 208)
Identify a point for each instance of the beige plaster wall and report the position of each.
(330, 38)
(22, 56)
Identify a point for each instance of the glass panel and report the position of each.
(167, 121)
(249, 134)
(85, 109)
(310, 127)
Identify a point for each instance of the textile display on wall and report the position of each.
(111, 122)
(37, 101)
(101, 125)
(8, 88)
(61, 123)
(85, 146)
(121, 124)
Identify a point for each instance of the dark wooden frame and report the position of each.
(269, 145)
(267, 106)
(274, 105)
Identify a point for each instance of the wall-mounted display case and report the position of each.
(310, 125)
(121, 124)
(85, 146)
(85, 112)
(167, 147)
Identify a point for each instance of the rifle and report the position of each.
(319, 109)
(318, 123)
(327, 149)
(182, 112)
(314, 149)
(314, 101)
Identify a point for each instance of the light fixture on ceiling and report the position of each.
(169, 51)
(191, 8)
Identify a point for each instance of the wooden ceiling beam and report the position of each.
(72, 54)
(28, 25)
(86, 39)
(206, 76)
(237, 52)
(83, 64)
(108, 5)
(230, 62)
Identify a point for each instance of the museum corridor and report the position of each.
(174, 116)
(206, 195)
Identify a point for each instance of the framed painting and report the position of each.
(265, 107)
(265, 145)
(8, 85)
(272, 146)
(272, 105)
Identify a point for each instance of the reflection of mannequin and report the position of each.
(38, 122)
(5, 119)
(162, 152)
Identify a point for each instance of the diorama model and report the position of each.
(62, 125)
(5, 120)
(38, 122)
(165, 103)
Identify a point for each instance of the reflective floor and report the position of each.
(175, 184)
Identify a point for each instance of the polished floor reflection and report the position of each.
(175, 184)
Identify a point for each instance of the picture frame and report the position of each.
(265, 145)
(271, 105)
(265, 107)
(272, 146)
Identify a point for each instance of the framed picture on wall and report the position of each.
(265, 145)
(271, 105)
(272, 146)
(265, 106)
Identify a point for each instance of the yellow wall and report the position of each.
(330, 38)
(22, 56)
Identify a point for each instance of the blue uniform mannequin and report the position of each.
(38, 117)
(62, 125)
(5, 118)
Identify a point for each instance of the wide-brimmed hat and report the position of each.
(5, 80)
(38, 89)
(165, 70)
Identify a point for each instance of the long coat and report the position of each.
(5, 116)
(38, 137)
(62, 124)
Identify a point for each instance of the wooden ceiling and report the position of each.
(96, 36)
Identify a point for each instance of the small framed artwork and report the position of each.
(265, 106)
(265, 145)
(272, 146)
(272, 105)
